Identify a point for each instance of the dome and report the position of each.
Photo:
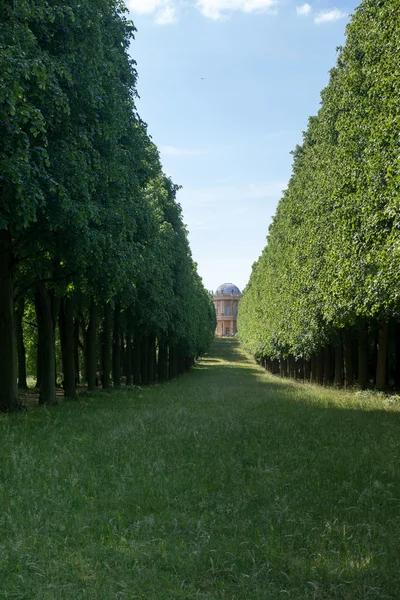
(228, 289)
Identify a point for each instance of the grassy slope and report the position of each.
(227, 483)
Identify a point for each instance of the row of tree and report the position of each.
(91, 235)
(323, 300)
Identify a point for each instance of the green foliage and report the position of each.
(82, 191)
(333, 253)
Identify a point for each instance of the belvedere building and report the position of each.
(226, 302)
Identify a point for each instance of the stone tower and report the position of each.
(226, 301)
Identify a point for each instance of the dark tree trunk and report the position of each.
(46, 341)
(363, 356)
(172, 362)
(91, 347)
(128, 361)
(128, 369)
(123, 356)
(280, 367)
(307, 370)
(313, 373)
(181, 361)
(76, 351)
(9, 400)
(338, 379)
(397, 356)
(84, 350)
(348, 359)
(292, 367)
(137, 358)
(327, 366)
(373, 352)
(66, 325)
(284, 367)
(381, 364)
(319, 368)
(116, 353)
(144, 363)
(106, 350)
(152, 359)
(19, 314)
(38, 369)
(162, 360)
(55, 311)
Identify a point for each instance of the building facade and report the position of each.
(226, 302)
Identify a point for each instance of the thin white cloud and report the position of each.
(145, 6)
(167, 15)
(175, 151)
(165, 11)
(329, 16)
(218, 9)
(221, 195)
(304, 10)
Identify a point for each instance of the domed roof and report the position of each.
(228, 289)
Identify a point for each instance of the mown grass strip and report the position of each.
(226, 483)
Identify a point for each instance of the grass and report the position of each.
(225, 484)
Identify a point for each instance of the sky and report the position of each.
(226, 88)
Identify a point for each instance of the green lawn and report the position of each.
(227, 483)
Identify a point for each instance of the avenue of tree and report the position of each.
(93, 251)
(323, 300)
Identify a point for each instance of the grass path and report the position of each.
(225, 484)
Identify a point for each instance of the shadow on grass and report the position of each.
(240, 364)
(240, 484)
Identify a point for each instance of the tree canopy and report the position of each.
(328, 280)
(91, 234)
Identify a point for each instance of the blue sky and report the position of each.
(226, 87)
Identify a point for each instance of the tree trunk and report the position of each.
(66, 324)
(116, 351)
(397, 357)
(284, 368)
(307, 370)
(348, 359)
(137, 358)
(76, 351)
(19, 314)
(313, 374)
(338, 380)
(320, 367)
(46, 341)
(152, 359)
(38, 369)
(128, 361)
(373, 352)
(106, 379)
(327, 366)
(9, 400)
(292, 367)
(122, 355)
(172, 362)
(91, 347)
(381, 364)
(162, 360)
(144, 362)
(280, 367)
(181, 361)
(363, 356)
